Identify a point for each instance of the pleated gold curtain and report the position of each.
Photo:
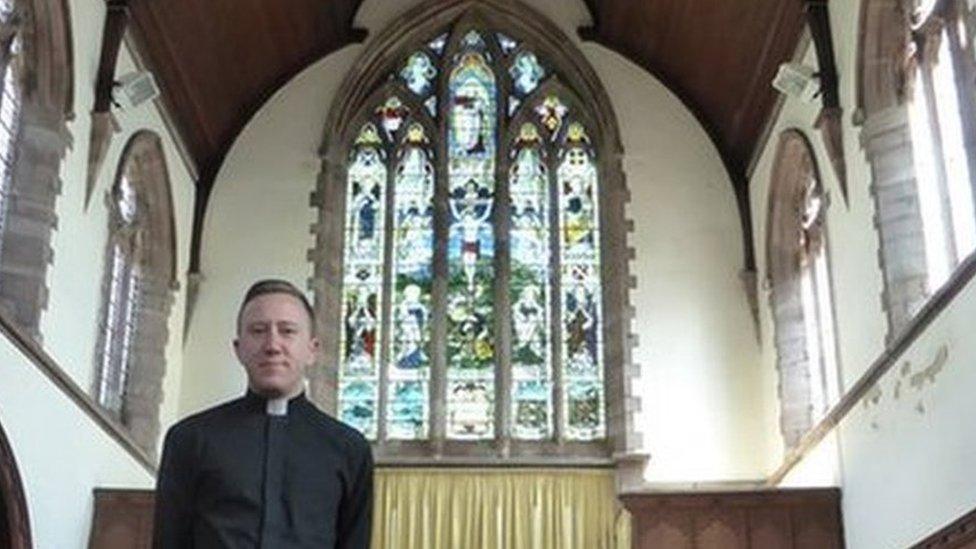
(497, 508)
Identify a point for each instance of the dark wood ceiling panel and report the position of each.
(219, 60)
(718, 56)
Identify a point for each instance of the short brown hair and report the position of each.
(276, 286)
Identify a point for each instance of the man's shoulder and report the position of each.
(335, 428)
(206, 417)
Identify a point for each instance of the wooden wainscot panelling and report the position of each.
(961, 534)
(123, 519)
(773, 519)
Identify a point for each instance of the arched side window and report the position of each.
(918, 102)
(35, 102)
(138, 284)
(942, 107)
(475, 193)
(800, 298)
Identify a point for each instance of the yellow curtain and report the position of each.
(497, 508)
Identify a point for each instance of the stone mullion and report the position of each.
(502, 223)
(30, 216)
(386, 296)
(559, 411)
(438, 336)
(886, 139)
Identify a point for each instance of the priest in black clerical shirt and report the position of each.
(269, 469)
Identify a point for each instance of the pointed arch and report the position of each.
(15, 532)
(139, 278)
(439, 36)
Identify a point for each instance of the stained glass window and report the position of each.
(471, 289)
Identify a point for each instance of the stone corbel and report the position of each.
(629, 470)
(103, 128)
(193, 282)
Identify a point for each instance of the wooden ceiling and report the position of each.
(217, 61)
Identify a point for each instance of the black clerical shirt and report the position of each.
(236, 477)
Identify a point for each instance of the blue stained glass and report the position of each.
(431, 105)
(407, 410)
(526, 73)
(419, 73)
(357, 406)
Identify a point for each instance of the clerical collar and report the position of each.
(274, 406)
(277, 406)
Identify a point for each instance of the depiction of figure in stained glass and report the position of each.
(526, 72)
(578, 175)
(418, 74)
(411, 317)
(471, 212)
(528, 315)
(367, 177)
(581, 336)
(361, 332)
(468, 315)
(468, 112)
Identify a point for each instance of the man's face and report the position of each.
(275, 344)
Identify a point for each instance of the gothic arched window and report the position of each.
(11, 74)
(35, 103)
(139, 276)
(942, 108)
(917, 100)
(801, 297)
(471, 290)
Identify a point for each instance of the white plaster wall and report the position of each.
(698, 351)
(257, 223)
(69, 326)
(908, 458)
(61, 454)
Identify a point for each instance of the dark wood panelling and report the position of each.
(123, 519)
(961, 534)
(774, 519)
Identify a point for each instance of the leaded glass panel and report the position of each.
(471, 244)
(582, 339)
(363, 282)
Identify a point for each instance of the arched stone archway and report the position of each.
(14, 520)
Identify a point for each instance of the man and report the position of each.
(266, 470)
